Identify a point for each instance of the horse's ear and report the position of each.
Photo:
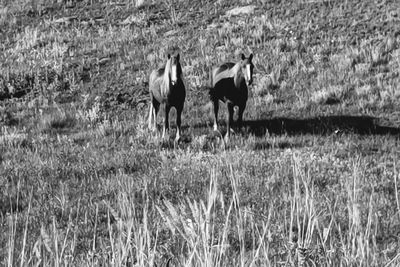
(168, 56)
(251, 57)
(178, 57)
(243, 57)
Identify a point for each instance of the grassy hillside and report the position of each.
(310, 179)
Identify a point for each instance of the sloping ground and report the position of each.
(61, 51)
(311, 178)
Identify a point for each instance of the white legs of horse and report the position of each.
(177, 137)
(163, 133)
(178, 134)
(216, 108)
(152, 122)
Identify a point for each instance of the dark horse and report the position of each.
(167, 87)
(229, 84)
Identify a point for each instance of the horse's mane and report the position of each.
(167, 69)
(166, 78)
(237, 75)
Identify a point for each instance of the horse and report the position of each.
(229, 83)
(166, 87)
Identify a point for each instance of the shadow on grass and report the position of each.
(324, 125)
(263, 145)
(363, 125)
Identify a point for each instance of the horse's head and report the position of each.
(175, 68)
(247, 68)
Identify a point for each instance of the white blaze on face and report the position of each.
(174, 74)
(248, 74)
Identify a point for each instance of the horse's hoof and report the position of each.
(152, 128)
(226, 142)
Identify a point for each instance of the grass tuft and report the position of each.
(58, 121)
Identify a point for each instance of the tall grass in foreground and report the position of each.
(216, 231)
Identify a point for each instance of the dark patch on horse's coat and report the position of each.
(224, 67)
(160, 72)
(227, 91)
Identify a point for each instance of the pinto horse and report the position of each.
(229, 84)
(167, 87)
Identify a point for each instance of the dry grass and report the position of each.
(311, 179)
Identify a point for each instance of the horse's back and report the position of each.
(156, 74)
(155, 82)
(222, 72)
(224, 67)
(155, 77)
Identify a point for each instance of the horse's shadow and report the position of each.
(363, 125)
(323, 125)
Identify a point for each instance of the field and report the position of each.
(311, 179)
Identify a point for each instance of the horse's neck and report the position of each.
(166, 79)
(238, 76)
(180, 72)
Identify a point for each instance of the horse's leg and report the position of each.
(150, 114)
(178, 122)
(216, 107)
(240, 117)
(155, 107)
(166, 120)
(230, 118)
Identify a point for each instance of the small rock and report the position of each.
(240, 10)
